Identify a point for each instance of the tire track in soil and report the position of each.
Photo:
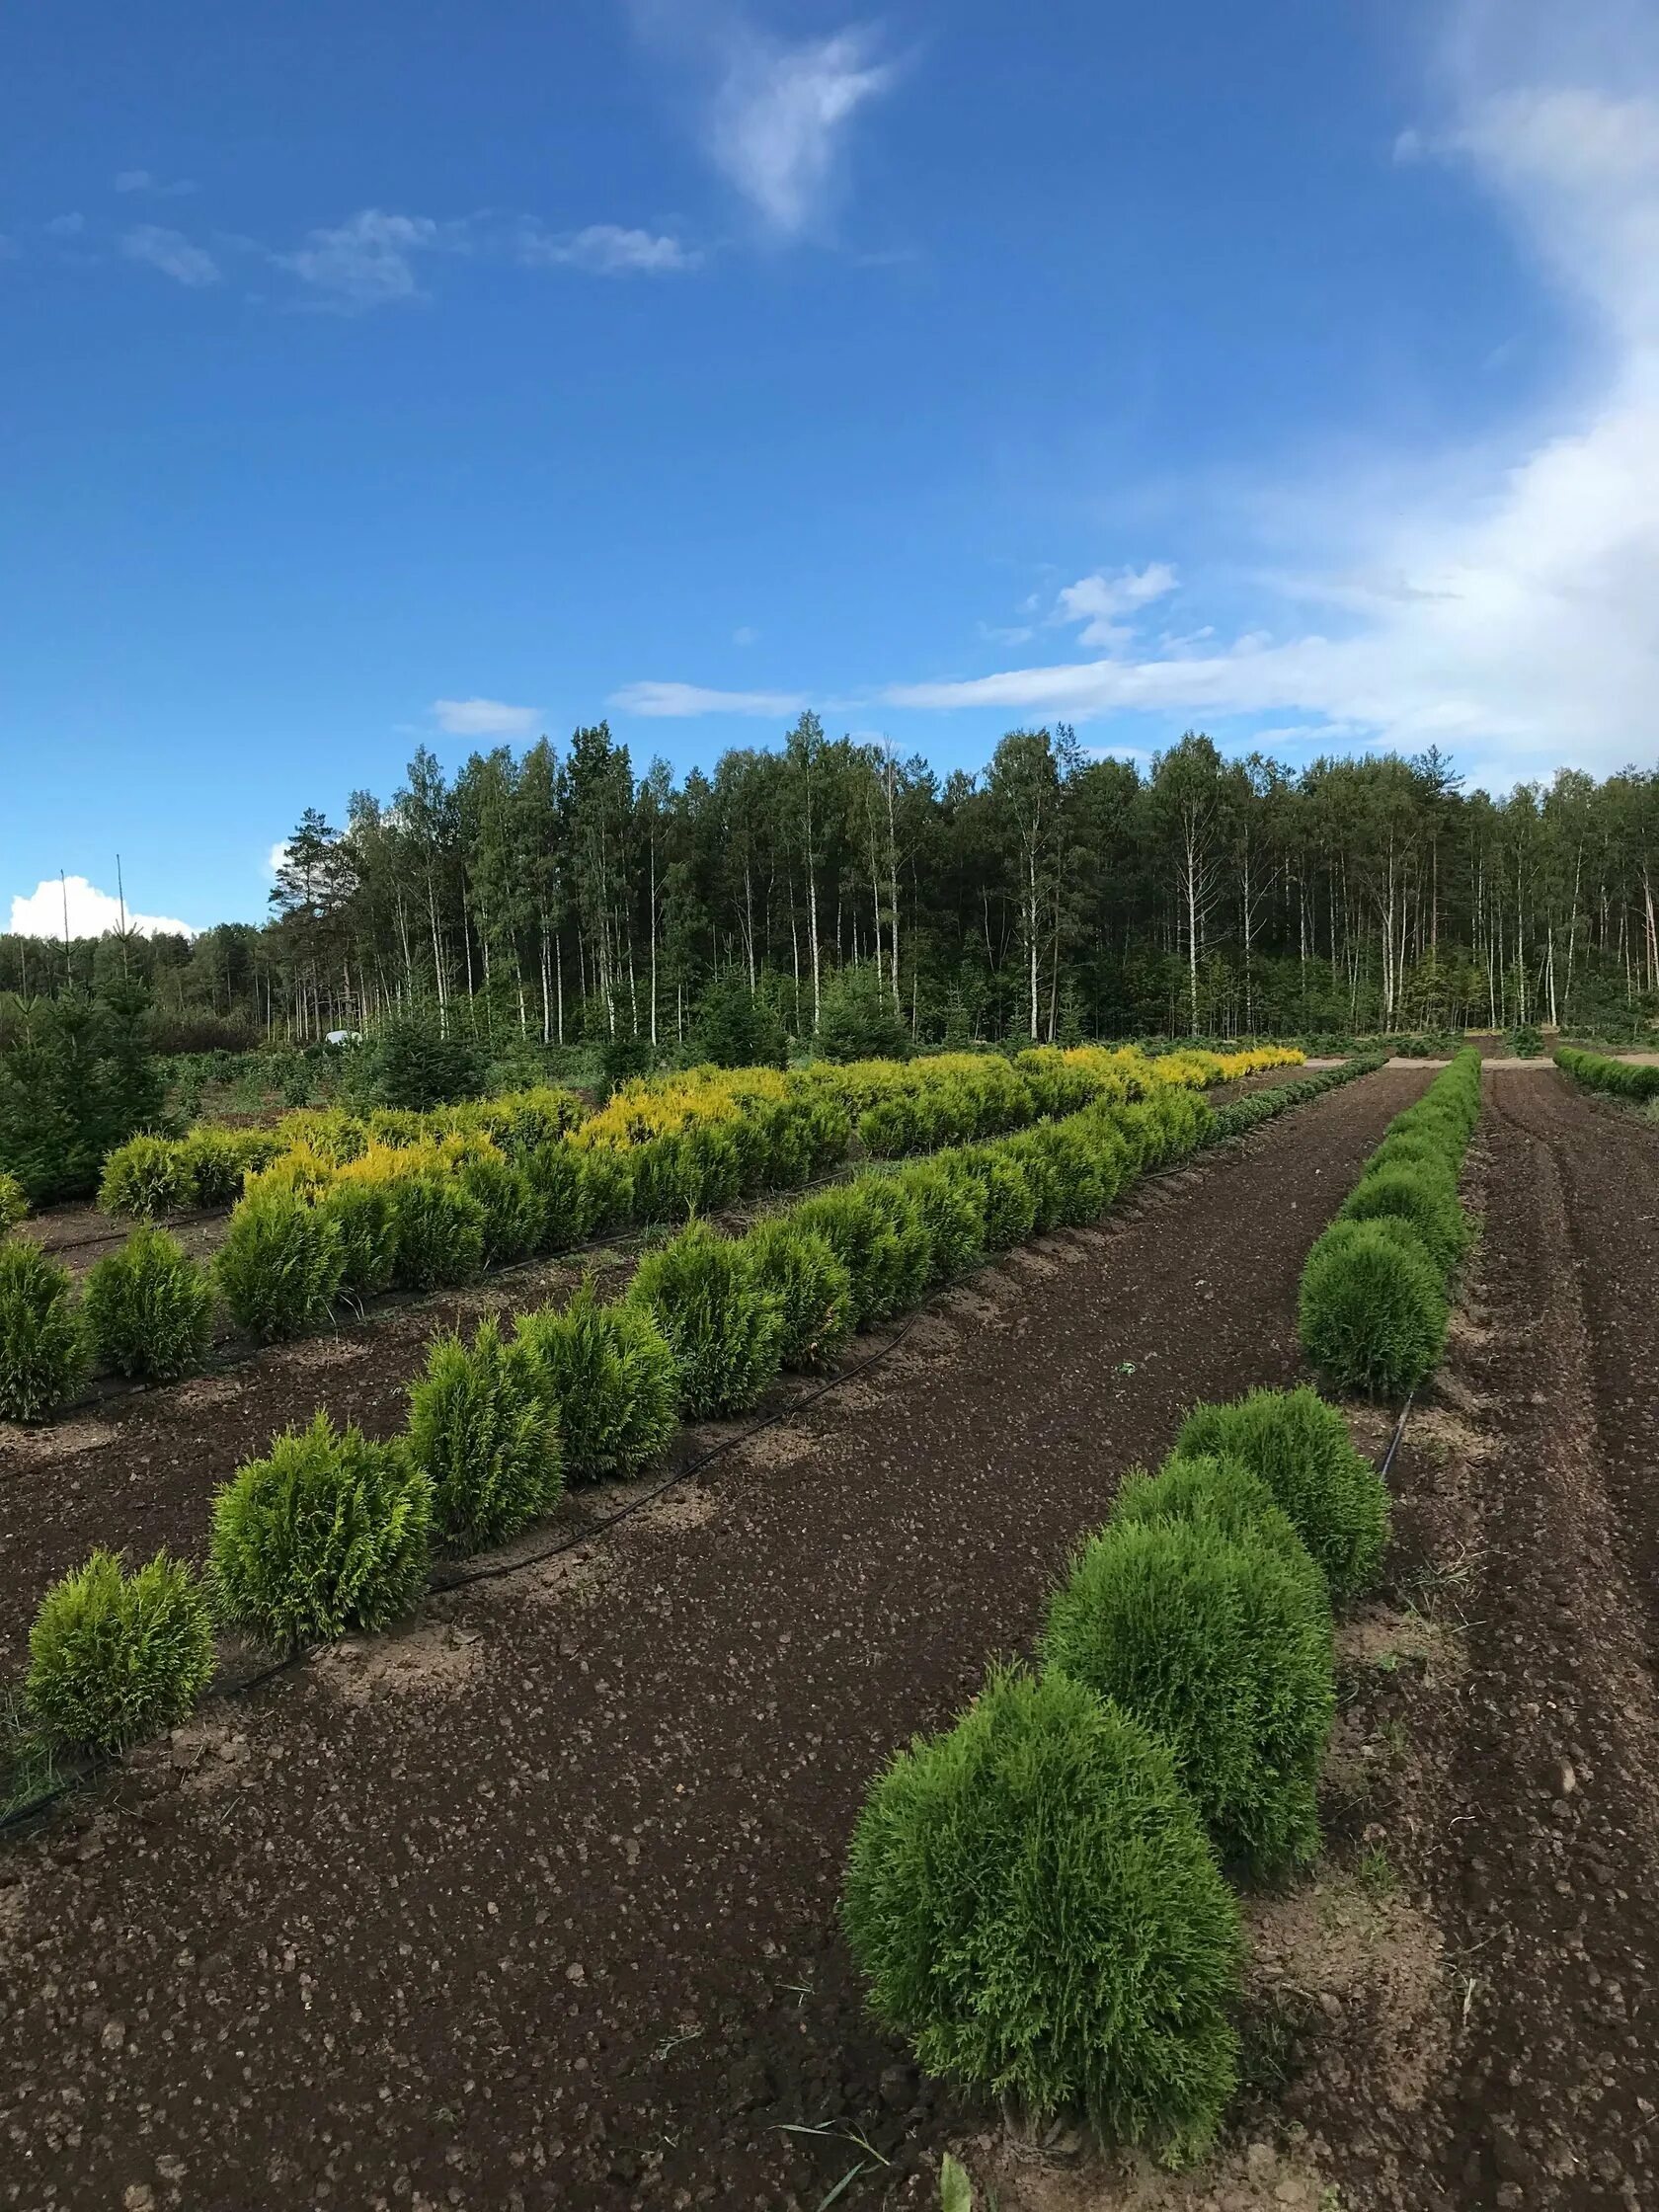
(1544, 1874)
(535, 1904)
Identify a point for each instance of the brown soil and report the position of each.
(544, 1912)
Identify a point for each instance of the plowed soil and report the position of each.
(535, 1903)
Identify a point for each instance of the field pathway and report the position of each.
(534, 1904)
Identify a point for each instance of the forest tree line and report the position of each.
(561, 897)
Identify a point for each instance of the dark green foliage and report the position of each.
(1637, 1080)
(148, 1309)
(1224, 1493)
(1371, 1311)
(723, 1326)
(114, 1657)
(1006, 1189)
(486, 1437)
(43, 1344)
(418, 1059)
(1419, 1195)
(366, 1217)
(1526, 1041)
(329, 1533)
(624, 1055)
(1223, 1651)
(509, 1205)
(77, 1078)
(146, 1177)
(857, 1019)
(609, 1372)
(737, 1028)
(813, 1289)
(953, 1208)
(566, 1194)
(439, 1226)
(912, 1268)
(281, 1263)
(1034, 1906)
(607, 1188)
(1299, 1446)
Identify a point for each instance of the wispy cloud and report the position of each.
(369, 260)
(484, 718)
(65, 226)
(777, 122)
(172, 253)
(671, 701)
(91, 911)
(146, 182)
(1101, 602)
(607, 250)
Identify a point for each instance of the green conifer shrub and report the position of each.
(364, 1212)
(1224, 1493)
(1372, 1312)
(863, 1236)
(280, 1266)
(148, 1309)
(737, 1028)
(439, 1226)
(214, 1161)
(612, 1375)
(953, 1207)
(723, 1326)
(913, 1258)
(1419, 1195)
(14, 1202)
(329, 1533)
(511, 1206)
(1034, 1906)
(116, 1657)
(486, 1437)
(813, 1289)
(1301, 1447)
(43, 1341)
(1006, 1189)
(564, 1195)
(147, 1178)
(1223, 1651)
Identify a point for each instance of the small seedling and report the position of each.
(1376, 1874)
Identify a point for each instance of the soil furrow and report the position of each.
(535, 1904)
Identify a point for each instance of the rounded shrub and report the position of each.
(723, 1326)
(214, 1160)
(1301, 1447)
(437, 1227)
(281, 1263)
(329, 1533)
(362, 1211)
(150, 1308)
(145, 1177)
(565, 1199)
(812, 1289)
(1419, 1197)
(1035, 1908)
(1224, 1494)
(1223, 1651)
(1010, 1204)
(612, 1376)
(116, 1657)
(953, 1208)
(509, 1205)
(912, 1263)
(863, 1236)
(42, 1343)
(1372, 1309)
(487, 1438)
(14, 1202)
(1043, 1178)
(607, 1188)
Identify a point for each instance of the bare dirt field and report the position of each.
(535, 1905)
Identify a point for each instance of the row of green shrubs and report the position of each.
(332, 1532)
(1376, 1291)
(1635, 1079)
(1036, 1897)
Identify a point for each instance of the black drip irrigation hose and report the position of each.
(464, 1577)
(1394, 1442)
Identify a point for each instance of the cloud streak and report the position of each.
(484, 718)
(668, 701)
(173, 254)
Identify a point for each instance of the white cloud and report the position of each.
(607, 250)
(778, 119)
(1100, 602)
(172, 253)
(40, 912)
(65, 226)
(1504, 599)
(368, 261)
(745, 634)
(668, 701)
(484, 718)
(144, 181)
(276, 860)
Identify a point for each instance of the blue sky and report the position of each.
(372, 376)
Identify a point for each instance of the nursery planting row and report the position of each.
(1038, 1898)
(1635, 1079)
(351, 1207)
(1375, 1293)
(331, 1532)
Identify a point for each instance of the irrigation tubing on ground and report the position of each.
(497, 1571)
